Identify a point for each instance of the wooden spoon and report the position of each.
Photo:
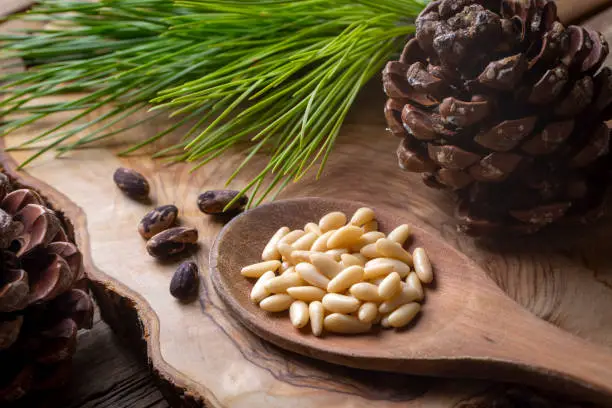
(468, 326)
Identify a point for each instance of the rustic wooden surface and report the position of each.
(571, 285)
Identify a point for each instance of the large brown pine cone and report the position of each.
(43, 297)
(501, 103)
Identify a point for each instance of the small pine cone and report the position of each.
(500, 103)
(41, 307)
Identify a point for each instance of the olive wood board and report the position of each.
(202, 355)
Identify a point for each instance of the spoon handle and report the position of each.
(554, 358)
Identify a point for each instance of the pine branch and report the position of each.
(275, 76)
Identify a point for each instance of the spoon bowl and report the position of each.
(467, 327)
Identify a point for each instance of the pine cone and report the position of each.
(43, 296)
(500, 103)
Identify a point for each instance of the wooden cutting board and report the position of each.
(202, 355)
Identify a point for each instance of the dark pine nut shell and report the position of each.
(172, 241)
(132, 183)
(185, 281)
(215, 201)
(157, 220)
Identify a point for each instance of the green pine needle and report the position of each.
(278, 76)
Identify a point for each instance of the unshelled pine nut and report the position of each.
(422, 265)
(344, 237)
(280, 284)
(350, 260)
(331, 221)
(345, 279)
(298, 314)
(336, 303)
(291, 237)
(375, 270)
(413, 281)
(401, 316)
(325, 264)
(301, 256)
(362, 216)
(369, 251)
(317, 313)
(312, 227)
(390, 286)
(305, 241)
(407, 295)
(370, 226)
(345, 324)
(285, 251)
(337, 253)
(367, 312)
(392, 249)
(276, 303)
(259, 291)
(258, 269)
(311, 275)
(365, 291)
(306, 293)
(320, 244)
(270, 252)
(400, 234)
(397, 266)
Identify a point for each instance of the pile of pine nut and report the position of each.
(342, 278)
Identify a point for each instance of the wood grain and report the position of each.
(200, 353)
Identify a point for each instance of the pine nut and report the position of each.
(270, 252)
(344, 237)
(276, 303)
(259, 291)
(362, 259)
(333, 220)
(298, 314)
(317, 313)
(301, 256)
(337, 253)
(422, 265)
(403, 315)
(310, 274)
(305, 241)
(414, 283)
(367, 238)
(291, 269)
(377, 319)
(351, 260)
(370, 251)
(326, 264)
(384, 322)
(344, 324)
(377, 281)
(397, 265)
(392, 249)
(375, 270)
(284, 266)
(367, 312)
(362, 216)
(280, 284)
(306, 293)
(258, 269)
(285, 250)
(407, 295)
(390, 286)
(370, 226)
(336, 303)
(365, 291)
(400, 234)
(345, 279)
(320, 244)
(291, 237)
(312, 227)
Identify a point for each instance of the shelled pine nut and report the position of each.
(270, 252)
(341, 277)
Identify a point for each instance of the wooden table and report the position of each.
(106, 374)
